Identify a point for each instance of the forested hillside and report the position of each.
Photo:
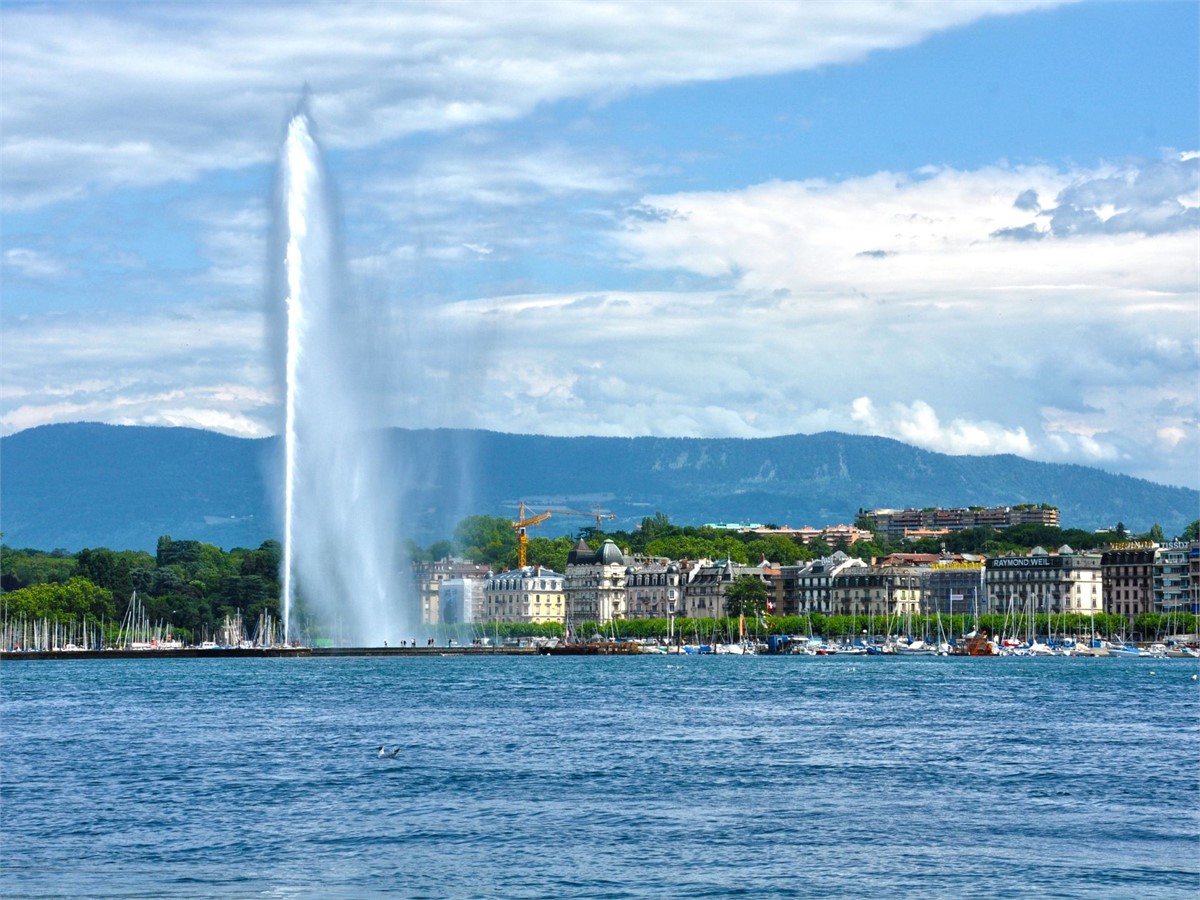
(90, 485)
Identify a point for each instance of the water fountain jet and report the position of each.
(340, 547)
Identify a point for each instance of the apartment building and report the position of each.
(898, 524)
(1172, 584)
(653, 589)
(428, 578)
(808, 588)
(530, 595)
(884, 591)
(1042, 582)
(1127, 573)
(704, 593)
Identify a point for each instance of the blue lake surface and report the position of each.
(615, 777)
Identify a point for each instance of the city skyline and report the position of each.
(970, 227)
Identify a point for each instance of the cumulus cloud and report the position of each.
(202, 369)
(932, 240)
(96, 99)
(1081, 347)
(917, 423)
(1154, 198)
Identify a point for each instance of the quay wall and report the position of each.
(260, 652)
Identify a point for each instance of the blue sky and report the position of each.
(970, 227)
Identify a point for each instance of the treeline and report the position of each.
(1147, 626)
(187, 584)
(492, 540)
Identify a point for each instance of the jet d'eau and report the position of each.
(340, 501)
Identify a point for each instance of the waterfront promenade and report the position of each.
(263, 652)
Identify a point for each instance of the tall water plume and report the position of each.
(339, 507)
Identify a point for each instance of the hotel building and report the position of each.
(529, 595)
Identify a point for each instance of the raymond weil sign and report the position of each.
(1023, 562)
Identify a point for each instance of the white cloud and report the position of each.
(918, 424)
(1081, 347)
(33, 263)
(96, 98)
(203, 369)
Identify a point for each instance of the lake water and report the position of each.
(609, 777)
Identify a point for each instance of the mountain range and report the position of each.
(82, 485)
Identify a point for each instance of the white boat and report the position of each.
(1124, 650)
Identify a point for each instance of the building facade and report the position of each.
(653, 589)
(530, 595)
(428, 578)
(1127, 571)
(460, 600)
(1044, 583)
(595, 584)
(808, 588)
(704, 595)
(1173, 588)
(882, 591)
(897, 524)
(955, 587)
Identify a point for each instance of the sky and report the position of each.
(972, 227)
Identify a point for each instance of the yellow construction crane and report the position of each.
(598, 514)
(521, 524)
(524, 523)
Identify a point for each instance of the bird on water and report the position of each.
(387, 754)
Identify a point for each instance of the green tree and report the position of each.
(549, 552)
(101, 569)
(22, 568)
(747, 596)
(1156, 534)
(1191, 532)
(656, 526)
(61, 602)
(486, 539)
(441, 550)
(775, 548)
(729, 547)
(682, 546)
(263, 562)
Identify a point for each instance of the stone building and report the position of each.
(529, 595)
(882, 591)
(1127, 573)
(595, 584)
(704, 595)
(1044, 583)
(653, 589)
(808, 588)
(428, 578)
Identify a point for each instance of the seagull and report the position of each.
(387, 754)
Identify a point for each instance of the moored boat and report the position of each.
(975, 644)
